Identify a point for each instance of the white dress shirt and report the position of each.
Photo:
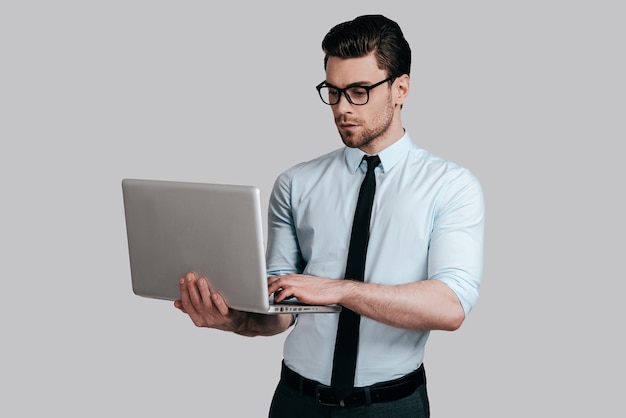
(427, 224)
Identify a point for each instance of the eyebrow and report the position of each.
(355, 84)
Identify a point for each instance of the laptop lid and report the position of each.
(214, 230)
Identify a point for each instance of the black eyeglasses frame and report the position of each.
(345, 91)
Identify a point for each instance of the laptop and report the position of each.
(214, 230)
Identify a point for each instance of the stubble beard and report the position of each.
(366, 136)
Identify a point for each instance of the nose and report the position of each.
(343, 105)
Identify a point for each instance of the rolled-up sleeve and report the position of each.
(283, 252)
(456, 245)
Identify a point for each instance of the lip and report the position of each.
(347, 125)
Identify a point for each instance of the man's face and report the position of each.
(361, 126)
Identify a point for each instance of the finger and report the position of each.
(274, 284)
(178, 304)
(220, 304)
(185, 284)
(194, 294)
(184, 293)
(206, 294)
(213, 299)
(284, 293)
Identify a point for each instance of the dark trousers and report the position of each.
(289, 403)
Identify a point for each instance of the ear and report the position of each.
(402, 86)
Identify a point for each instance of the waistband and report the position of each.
(388, 391)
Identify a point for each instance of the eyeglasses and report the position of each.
(357, 95)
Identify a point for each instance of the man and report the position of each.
(424, 254)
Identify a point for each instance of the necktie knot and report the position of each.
(372, 162)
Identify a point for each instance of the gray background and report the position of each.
(528, 95)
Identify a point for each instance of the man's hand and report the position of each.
(207, 308)
(308, 289)
(204, 307)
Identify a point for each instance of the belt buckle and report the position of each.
(321, 391)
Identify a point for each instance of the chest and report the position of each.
(402, 212)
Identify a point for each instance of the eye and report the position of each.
(357, 92)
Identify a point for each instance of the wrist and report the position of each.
(347, 290)
(240, 322)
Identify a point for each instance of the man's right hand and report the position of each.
(208, 309)
(204, 307)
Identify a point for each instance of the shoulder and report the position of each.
(311, 168)
(304, 175)
(438, 167)
(451, 183)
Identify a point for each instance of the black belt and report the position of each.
(380, 392)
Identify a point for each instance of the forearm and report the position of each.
(424, 305)
(253, 324)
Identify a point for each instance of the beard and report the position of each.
(366, 133)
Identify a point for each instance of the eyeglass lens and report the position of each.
(356, 95)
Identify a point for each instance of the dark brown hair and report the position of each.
(367, 34)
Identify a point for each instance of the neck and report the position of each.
(389, 137)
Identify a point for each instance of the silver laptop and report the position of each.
(214, 230)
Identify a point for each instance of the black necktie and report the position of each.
(346, 344)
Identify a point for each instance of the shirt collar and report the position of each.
(389, 157)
